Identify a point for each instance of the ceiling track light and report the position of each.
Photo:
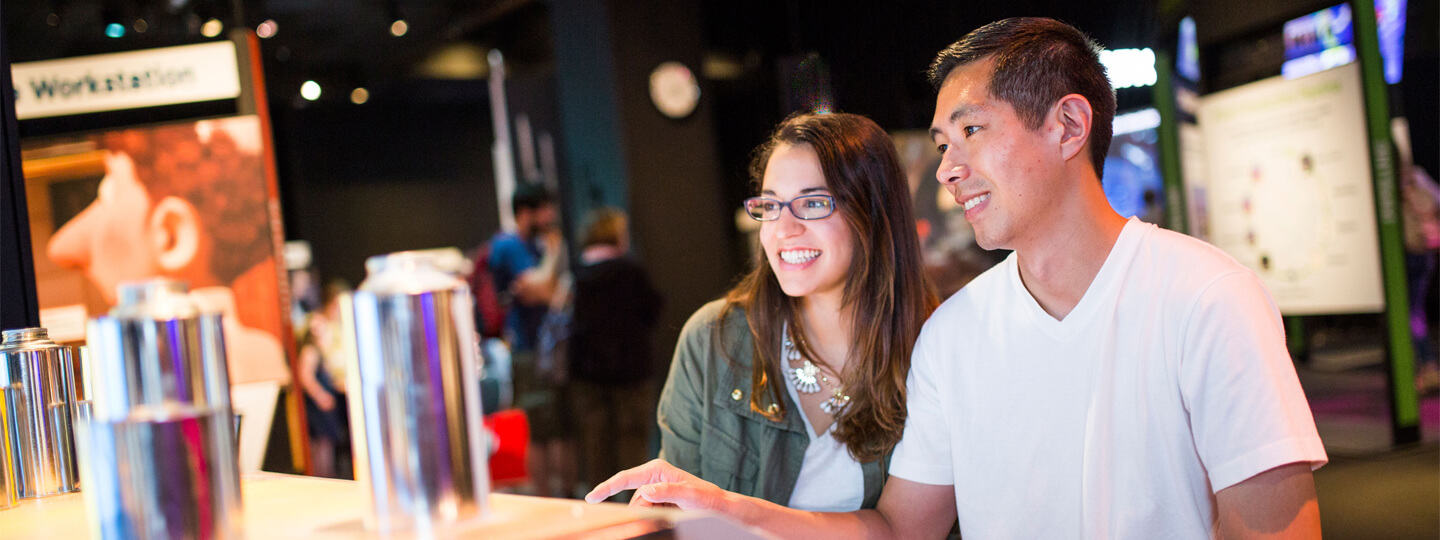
(112, 22)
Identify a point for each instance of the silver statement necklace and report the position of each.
(807, 378)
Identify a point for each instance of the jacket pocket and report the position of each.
(725, 461)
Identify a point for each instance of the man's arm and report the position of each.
(537, 286)
(1278, 503)
(906, 509)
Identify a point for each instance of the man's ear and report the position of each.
(174, 234)
(1075, 115)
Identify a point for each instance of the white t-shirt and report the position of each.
(830, 479)
(1169, 381)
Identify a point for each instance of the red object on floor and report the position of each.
(512, 430)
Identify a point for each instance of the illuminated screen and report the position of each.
(1326, 39)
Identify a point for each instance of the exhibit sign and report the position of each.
(127, 80)
(1290, 193)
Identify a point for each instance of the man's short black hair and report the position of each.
(1037, 62)
(530, 196)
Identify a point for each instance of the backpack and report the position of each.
(489, 316)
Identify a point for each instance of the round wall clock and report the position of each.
(674, 90)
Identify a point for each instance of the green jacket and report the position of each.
(708, 429)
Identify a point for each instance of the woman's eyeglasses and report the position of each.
(803, 207)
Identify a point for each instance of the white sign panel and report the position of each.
(128, 80)
(1290, 193)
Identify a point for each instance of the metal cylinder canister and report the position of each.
(38, 407)
(158, 449)
(424, 457)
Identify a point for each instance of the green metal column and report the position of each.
(1405, 404)
(1176, 212)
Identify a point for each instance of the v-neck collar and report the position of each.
(1100, 293)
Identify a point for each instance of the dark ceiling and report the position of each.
(344, 43)
(876, 51)
(348, 42)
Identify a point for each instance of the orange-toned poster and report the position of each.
(186, 200)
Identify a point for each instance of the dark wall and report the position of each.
(386, 176)
(671, 184)
(681, 222)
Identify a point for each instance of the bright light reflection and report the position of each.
(1129, 68)
(212, 28)
(310, 90)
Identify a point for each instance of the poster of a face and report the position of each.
(188, 201)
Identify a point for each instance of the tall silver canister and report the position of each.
(158, 456)
(424, 457)
(38, 406)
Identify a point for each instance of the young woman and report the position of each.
(792, 387)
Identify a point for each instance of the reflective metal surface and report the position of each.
(155, 348)
(38, 407)
(161, 476)
(158, 446)
(8, 496)
(424, 456)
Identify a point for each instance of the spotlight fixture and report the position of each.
(359, 95)
(267, 29)
(399, 27)
(115, 30)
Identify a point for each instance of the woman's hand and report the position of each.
(658, 483)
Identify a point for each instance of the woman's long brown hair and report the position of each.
(886, 290)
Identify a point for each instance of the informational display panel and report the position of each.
(1290, 192)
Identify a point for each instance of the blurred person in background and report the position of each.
(187, 202)
(322, 377)
(612, 369)
(1420, 217)
(525, 265)
(792, 387)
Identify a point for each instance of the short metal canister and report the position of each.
(39, 408)
(8, 496)
(424, 457)
(158, 455)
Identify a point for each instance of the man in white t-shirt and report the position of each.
(1109, 379)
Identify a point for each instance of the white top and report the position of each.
(1168, 381)
(830, 479)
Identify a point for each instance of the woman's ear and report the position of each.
(1075, 117)
(174, 234)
